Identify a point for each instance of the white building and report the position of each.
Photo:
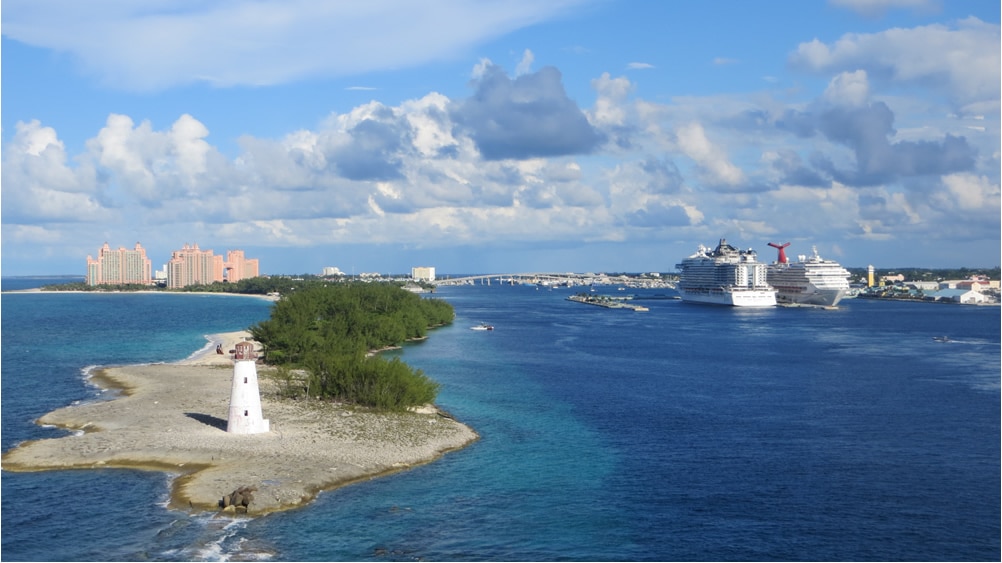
(331, 271)
(245, 397)
(966, 296)
(423, 273)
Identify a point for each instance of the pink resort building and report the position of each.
(193, 266)
(237, 267)
(122, 266)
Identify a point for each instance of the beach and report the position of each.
(172, 418)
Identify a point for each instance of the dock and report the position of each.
(606, 301)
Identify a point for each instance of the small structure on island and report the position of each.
(245, 397)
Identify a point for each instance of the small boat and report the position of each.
(482, 326)
(941, 338)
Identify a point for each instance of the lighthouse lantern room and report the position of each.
(245, 397)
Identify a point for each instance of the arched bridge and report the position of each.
(543, 278)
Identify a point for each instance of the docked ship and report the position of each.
(725, 276)
(808, 281)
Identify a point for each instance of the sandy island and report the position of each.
(172, 417)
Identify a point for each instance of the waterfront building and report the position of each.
(869, 275)
(238, 267)
(958, 295)
(122, 266)
(192, 266)
(423, 273)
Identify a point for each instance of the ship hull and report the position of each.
(749, 298)
(814, 297)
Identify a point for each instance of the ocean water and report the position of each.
(683, 433)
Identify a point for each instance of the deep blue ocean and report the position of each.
(687, 432)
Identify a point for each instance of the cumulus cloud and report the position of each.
(848, 89)
(969, 192)
(845, 114)
(39, 185)
(530, 116)
(711, 159)
(867, 132)
(152, 46)
(517, 160)
(961, 60)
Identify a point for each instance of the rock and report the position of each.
(241, 497)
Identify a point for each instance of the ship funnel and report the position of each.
(782, 253)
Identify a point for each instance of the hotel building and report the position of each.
(423, 273)
(117, 267)
(193, 266)
(238, 267)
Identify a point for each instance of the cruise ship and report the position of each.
(725, 276)
(808, 281)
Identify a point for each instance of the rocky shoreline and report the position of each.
(172, 417)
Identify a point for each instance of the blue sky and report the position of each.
(500, 136)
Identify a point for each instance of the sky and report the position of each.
(500, 136)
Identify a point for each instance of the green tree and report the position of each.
(329, 330)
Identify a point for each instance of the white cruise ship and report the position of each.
(808, 281)
(725, 276)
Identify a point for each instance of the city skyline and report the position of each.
(189, 265)
(486, 136)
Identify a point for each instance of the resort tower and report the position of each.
(245, 397)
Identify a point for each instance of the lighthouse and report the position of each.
(245, 397)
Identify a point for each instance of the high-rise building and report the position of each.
(192, 266)
(238, 267)
(423, 273)
(122, 266)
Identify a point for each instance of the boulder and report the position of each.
(241, 497)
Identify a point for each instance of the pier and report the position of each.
(607, 302)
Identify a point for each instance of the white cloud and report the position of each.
(610, 106)
(639, 66)
(963, 59)
(849, 89)
(692, 140)
(525, 65)
(156, 45)
(407, 174)
(40, 186)
(969, 192)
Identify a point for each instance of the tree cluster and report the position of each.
(329, 331)
(929, 274)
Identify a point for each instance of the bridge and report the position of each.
(554, 279)
(543, 278)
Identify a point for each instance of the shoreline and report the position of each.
(172, 418)
(141, 291)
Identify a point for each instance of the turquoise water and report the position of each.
(683, 433)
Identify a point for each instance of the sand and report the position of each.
(172, 417)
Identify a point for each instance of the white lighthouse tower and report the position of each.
(245, 398)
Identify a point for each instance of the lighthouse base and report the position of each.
(246, 425)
